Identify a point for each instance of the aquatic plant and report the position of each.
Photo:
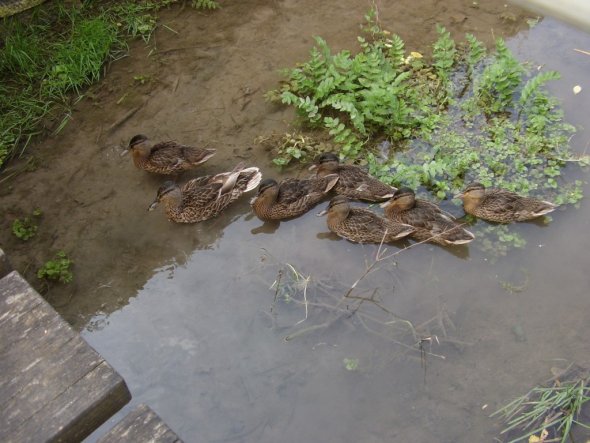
(549, 411)
(496, 129)
(466, 116)
(57, 269)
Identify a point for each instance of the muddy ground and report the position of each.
(204, 76)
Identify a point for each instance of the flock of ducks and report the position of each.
(404, 215)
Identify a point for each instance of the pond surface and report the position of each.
(208, 324)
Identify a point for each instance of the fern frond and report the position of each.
(533, 85)
(205, 4)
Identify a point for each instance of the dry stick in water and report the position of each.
(363, 316)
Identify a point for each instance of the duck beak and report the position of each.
(153, 205)
(125, 152)
(321, 214)
(385, 204)
(459, 196)
(312, 167)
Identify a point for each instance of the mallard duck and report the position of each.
(501, 206)
(290, 198)
(354, 181)
(205, 197)
(431, 223)
(166, 157)
(361, 225)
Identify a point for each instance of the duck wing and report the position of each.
(293, 190)
(502, 202)
(357, 183)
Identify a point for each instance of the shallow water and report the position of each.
(188, 316)
(203, 342)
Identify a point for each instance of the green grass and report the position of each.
(552, 409)
(78, 59)
(51, 54)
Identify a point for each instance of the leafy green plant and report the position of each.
(26, 227)
(205, 4)
(57, 269)
(468, 116)
(499, 81)
(351, 364)
(443, 54)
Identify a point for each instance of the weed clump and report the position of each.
(57, 269)
(551, 411)
(26, 228)
(465, 116)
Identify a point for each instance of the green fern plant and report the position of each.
(499, 81)
(443, 53)
(497, 129)
(205, 4)
(476, 53)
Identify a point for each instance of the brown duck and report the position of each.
(354, 181)
(431, 223)
(166, 157)
(205, 197)
(290, 198)
(361, 225)
(501, 206)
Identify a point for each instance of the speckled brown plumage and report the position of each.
(166, 157)
(290, 198)
(205, 197)
(501, 206)
(361, 225)
(431, 223)
(354, 182)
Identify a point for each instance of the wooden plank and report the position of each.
(5, 266)
(53, 383)
(141, 425)
(17, 298)
(79, 410)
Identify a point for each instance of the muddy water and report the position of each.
(185, 313)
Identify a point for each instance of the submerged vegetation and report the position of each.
(465, 116)
(56, 50)
(549, 411)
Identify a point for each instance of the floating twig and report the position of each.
(581, 51)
